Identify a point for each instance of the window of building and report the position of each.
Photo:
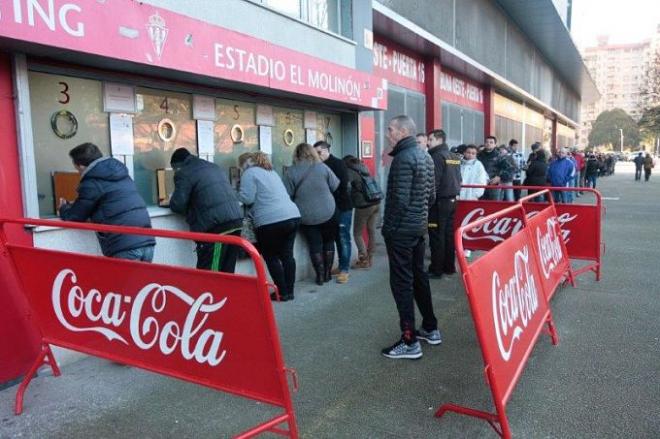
(66, 112)
(163, 123)
(331, 15)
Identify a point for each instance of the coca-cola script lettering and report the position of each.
(514, 303)
(549, 247)
(110, 311)
(501, 228)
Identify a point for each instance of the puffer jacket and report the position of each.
(203, 194)
(107, 195)
(410, 191)
(355, 173)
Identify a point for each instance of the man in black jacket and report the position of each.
(410, 192)
(107, 195)
(203, 193)
(343, 213)
(498, 170)
(441, 213)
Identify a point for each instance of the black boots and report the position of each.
(319, 268)
(329, 259)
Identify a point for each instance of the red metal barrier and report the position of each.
(213, 329)
(580, 224)
(509, 308)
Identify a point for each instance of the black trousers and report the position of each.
(321, 237)
(516, 192)
(410, 283)
(441, 236)
(638, 173)
(647, 174)
(217, 256)
(275, 242)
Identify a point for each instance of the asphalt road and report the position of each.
(601, 381)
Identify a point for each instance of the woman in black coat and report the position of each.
(537, 171)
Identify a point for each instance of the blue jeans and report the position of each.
(144, 254)
(591, 180)
(344, 239)
(506, 194)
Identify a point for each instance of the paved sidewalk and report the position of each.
(601, 381)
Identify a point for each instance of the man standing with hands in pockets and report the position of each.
(410, 192)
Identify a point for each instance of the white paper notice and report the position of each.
(265, 115)
(118, 98)
(310, 120)
(121, 134)
(310, 136)
(266, 139)
(205, 137)
(203, 107)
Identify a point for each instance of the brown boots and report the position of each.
(364, 261)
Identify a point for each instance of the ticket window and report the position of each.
(162, 124)
(236, 133)
(287, 133)
(66, 112)
(328, 128)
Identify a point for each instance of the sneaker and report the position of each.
(402, 350)
(335, 271)
(431, 337)
(342, 277)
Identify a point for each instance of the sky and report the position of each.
(626, 21)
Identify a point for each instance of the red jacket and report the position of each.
(579, 161)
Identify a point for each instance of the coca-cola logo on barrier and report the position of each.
(111, 310)
(498, 229)
(549, 247)
(514, 302)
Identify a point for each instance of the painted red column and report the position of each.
(432, 71)
(19, 339)
(489, 111)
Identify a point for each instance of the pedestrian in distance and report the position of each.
(410, 192)
(518, 166)
(648, 166)
(366, 196)
(560, 173)
(311, 184)
(276, 219)
(344, 212)
(537, 172)
(506, 179)
(472, 173)
(592, 169)
(203, 194)
(108, 195)
(639, 165)
(447, 169)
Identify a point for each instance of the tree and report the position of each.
(649, 125)
(650, 91)
(605, 130)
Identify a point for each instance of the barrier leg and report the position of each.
(552, 331)
(498, 421)
(44, 357)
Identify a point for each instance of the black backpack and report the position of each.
(370, 188)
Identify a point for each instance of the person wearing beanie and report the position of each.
(203, 194)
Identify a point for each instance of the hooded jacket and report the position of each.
(473, 172)
(107, 195)
(203, 194)
(537, 172)
(410, 191)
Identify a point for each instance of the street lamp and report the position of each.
(621, 132)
